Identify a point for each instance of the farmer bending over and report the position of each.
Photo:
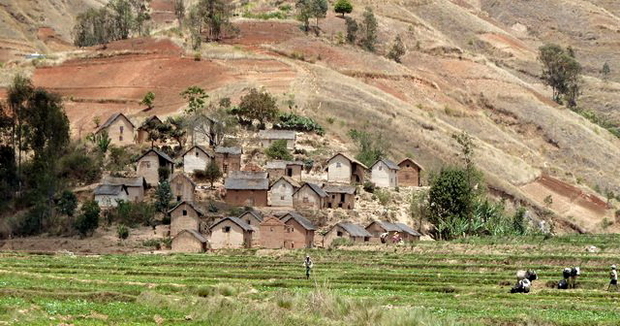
(308, 263)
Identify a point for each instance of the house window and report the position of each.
(338, 164)
(305, 200)
(148, 164)
(339, 233)
(121, 129)
(408, 165)
(178, 198)
(366, 239)
(248, 221)
(179, 187)
(197, 153)
(281, 197)
(380, 168)
(226, 229)
(184, 212)
(120, 137)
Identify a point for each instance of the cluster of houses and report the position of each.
(278, 184)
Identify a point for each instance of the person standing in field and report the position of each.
(613, 279)
(308, 264)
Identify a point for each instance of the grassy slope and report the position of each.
(466, 281)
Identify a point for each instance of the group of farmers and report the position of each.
(525, 279)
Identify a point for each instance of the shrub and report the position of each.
(369, 187)
(278, 151)
(79, 166)
(88, 221)
(343, 7)
(163, 195)
(341, 242)
(67, 203)
(163, 172)
(383, 196)
(122, 231)
(155, 243)
(291, 121)
(132, 214)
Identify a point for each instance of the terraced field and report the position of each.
(449, 282)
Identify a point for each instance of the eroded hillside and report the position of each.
(471, 65)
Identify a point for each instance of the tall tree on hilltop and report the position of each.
(343, 7)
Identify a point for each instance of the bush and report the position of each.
(132, 214)
(383, 196)
(278, 151)
(67, 203)
(122, 231)
(291, 121)
(80, 166)
(88, 221)
(155, 243)
(341, 242)
(369, 187)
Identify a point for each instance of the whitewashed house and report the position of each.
(196, 158)
(343, 169)
(384, 173)
(108, 195)
(281, 192)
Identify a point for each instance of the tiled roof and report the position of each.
(243, 225)
(300, 219)
(354, 230)
(111, 190)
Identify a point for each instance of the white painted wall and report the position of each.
(339, 170)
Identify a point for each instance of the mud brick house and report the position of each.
(196, 158)
(135, 186)
(281, 192)
(309, 196)
(378, 228)
(143, 130)
(274, 233)
(189, 241)
(183, 188)
(340, 196)
(231, 232)
(291, 169)
(301, 231)
(149, 163)
(247, 189)
(353, 232)
(268, 137)
(343, 169)
(253, 219)
(409, 173)
(108, 195)
(119, 128)
(384, 173)
(228, 159)
(185, 215)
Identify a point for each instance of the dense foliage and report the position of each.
(562, 72)
(343, 7)
(278, 151)
(372, 146)
(291, 121)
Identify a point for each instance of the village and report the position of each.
(276, 199)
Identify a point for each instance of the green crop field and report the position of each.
(428, 283)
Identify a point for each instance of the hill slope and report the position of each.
(471, 66)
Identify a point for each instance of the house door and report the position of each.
(289, 172)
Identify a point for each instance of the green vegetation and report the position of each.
(210, 17)
(398, 50)
(307, 9)
(67, 203)
(343, 7)
(562, 72)
(352, 29)
(292, 121)
(148, 100)
(611, 126)
(117, 20)
(464, 282)
(132, 214)
(258, 105)
(369, 30)
(195, 97)
(605, 71)
(278, 151)
(163, 197)
(122, 231)
(212, 173)
(88, 221)
(372, 146)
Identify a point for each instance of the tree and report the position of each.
(451, 201)
(259, 106)
(176, 129)
(195, 97)
(179, 11)
(101, 140)
(319, 10)
(352, 29)
(88, 220)
(278, 151)
(562, 72)
(67, 203)
(369, 30)
(148, 100)
(163, 196)
(372, 146)
(212, 16)
(605, 71)
(343, 7)
(398, 50)
(304, 13)
(212, 172)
